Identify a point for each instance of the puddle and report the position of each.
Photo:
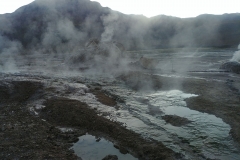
(90, 148)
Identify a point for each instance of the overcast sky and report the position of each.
(149, 8)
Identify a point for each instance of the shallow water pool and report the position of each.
(91, 148)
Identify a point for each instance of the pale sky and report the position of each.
(149, 8)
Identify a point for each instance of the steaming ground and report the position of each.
(187, 108)
(157, 104)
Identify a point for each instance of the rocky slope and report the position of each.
(44, 24)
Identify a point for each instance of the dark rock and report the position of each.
(117, 147)
(4, 92)
(73, 140)
(231, 67)
(98, 139)
(123, 150)
(110, 157)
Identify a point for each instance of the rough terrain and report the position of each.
(217, 95)
(37, 133)
(26, 134)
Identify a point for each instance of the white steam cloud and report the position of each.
(236, 55)
(65, 26)
(110, 26)
(9, 49)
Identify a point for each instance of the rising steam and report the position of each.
(110, 26)
(65, 26)
(236, 55)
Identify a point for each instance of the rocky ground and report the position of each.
(35, 134)
(25, 134)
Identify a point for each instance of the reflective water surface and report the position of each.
(90, 148)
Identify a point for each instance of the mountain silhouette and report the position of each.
(62, 25)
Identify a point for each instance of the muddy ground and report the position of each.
(27, 135)
(23, 135)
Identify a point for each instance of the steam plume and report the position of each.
(236, 56)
